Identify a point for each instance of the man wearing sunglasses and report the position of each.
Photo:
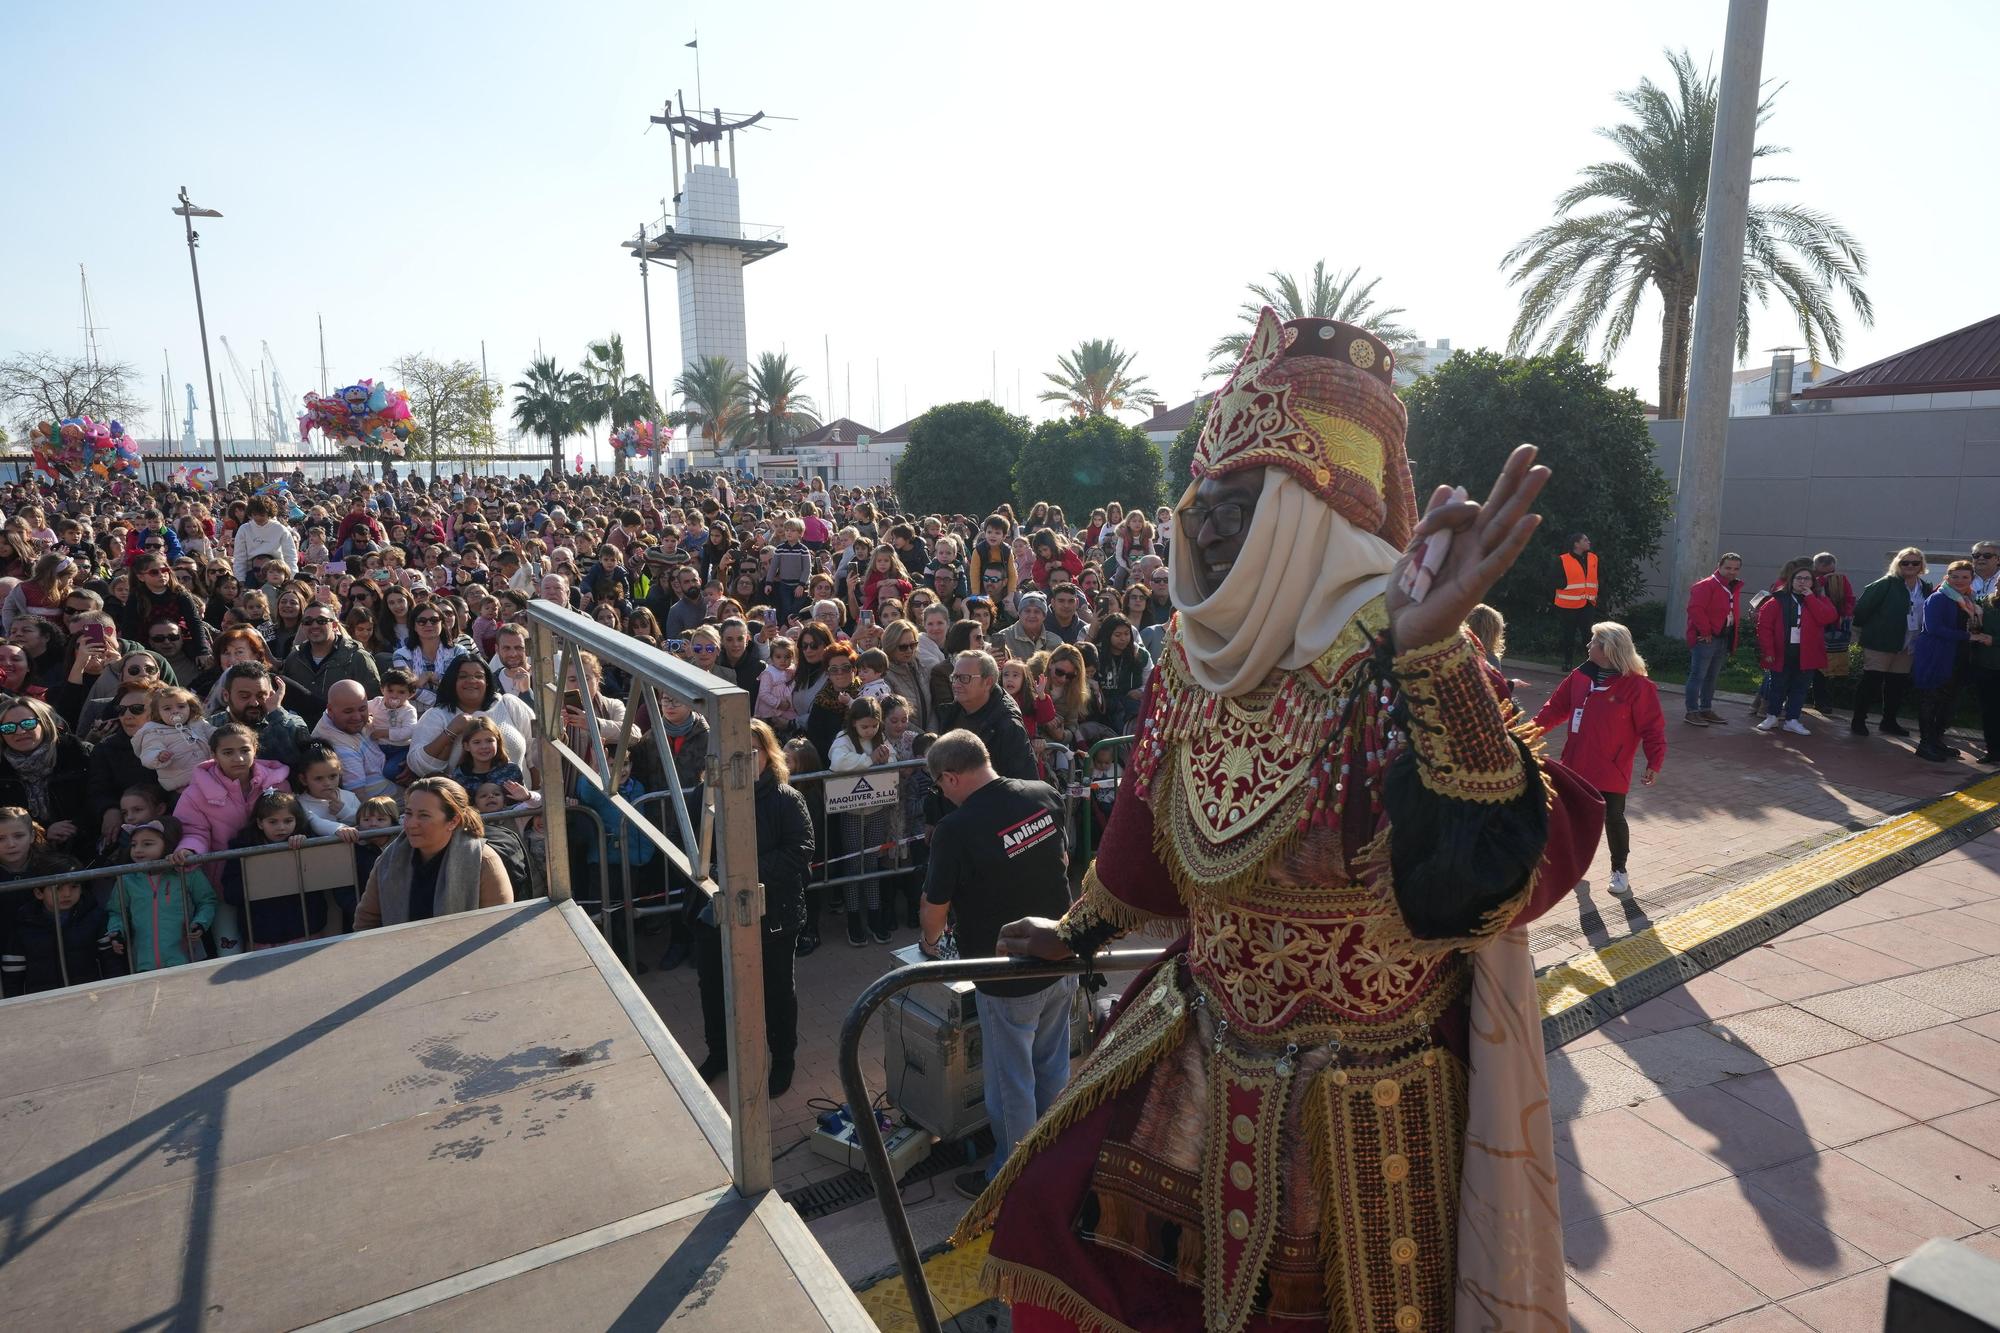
(323, 655)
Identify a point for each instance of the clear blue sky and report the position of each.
(961, 181)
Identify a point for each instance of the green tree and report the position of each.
(1082, 464)
(451, 408)
(1096, 380)
(1471, 413)
(623, 396)
(960, 459)
(778, 411)
(714, 400)
(1341, 296)
(1602, 264)
(1180, 455)
(554, 403)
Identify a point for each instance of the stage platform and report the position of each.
(475, 1122)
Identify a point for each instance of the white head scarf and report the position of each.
(1302, 574)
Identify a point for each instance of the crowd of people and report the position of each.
(186, 672)
(1924, 640)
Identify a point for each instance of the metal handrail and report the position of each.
(873, 1149)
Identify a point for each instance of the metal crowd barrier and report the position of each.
(91, 874)
(855, 1087)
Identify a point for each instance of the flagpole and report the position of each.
(699, 101)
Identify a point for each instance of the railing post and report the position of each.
(548, 725)
(739, 911)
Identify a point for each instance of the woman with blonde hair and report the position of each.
(1888, 618)
(1611, 708)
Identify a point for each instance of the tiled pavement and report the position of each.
(1752, 1150)
(1767, 1051)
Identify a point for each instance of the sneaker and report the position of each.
(1771, 723)
(676, 954)
(970, 1184)
(1621, 886)
(1797, 728)
(857, 934)
(1715, 719)
(1695, 720)
(806, 944)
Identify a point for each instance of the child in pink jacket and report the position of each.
(774, 687)
(217, 804)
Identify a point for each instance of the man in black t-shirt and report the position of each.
(999, 856)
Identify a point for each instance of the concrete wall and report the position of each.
(1857, 483)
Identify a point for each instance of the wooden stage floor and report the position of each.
(470, 1122)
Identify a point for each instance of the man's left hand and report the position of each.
(1486, 540)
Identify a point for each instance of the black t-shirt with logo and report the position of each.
(997, 858)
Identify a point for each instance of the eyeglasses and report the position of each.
(1909, 564)
(705, 649)
(904, 648)
(1157, 578)
(1062, 675)
(1986, 555)
(840, 671)
(429, 620)
(25, 724)
(78, 610)
(960, 678)
(133, 710)
(145, 666)
(163, 638)
(1227, 518)
(317, 620)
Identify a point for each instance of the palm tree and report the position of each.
(552, 404)
(778, 411)
(1097, 380)
(623, 397)
(1341, 296)
(714, 400)
(1650, 237)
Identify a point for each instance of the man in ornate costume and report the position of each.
(1327, 1106)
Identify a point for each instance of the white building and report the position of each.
(1750, 390)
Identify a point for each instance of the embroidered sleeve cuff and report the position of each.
(1457, 725)
(1097, 917)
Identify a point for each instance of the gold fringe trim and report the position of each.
(1433, 735)
(1318, 1129)
(1098, 905)
(1014, 1283)
(1112, 1068)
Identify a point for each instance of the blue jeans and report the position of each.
(1786, 690)
(1704, 668)
(1026, 1044)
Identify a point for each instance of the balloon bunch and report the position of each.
(79, 444)
(364, 416)
(635, 440)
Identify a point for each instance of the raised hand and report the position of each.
(1486, 540)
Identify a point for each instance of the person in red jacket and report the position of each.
(1611, 708)
(1714, 619)
(1791, 645)
(1837, 588)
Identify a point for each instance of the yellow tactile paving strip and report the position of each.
(954, 1279)
(953, 1275)
(1569, 983)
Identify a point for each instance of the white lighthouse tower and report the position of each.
(705, 240)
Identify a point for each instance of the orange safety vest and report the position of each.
(1580, 588)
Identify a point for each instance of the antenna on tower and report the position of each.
(322, 355)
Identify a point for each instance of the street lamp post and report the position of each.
(652, 385)
(188, 212)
